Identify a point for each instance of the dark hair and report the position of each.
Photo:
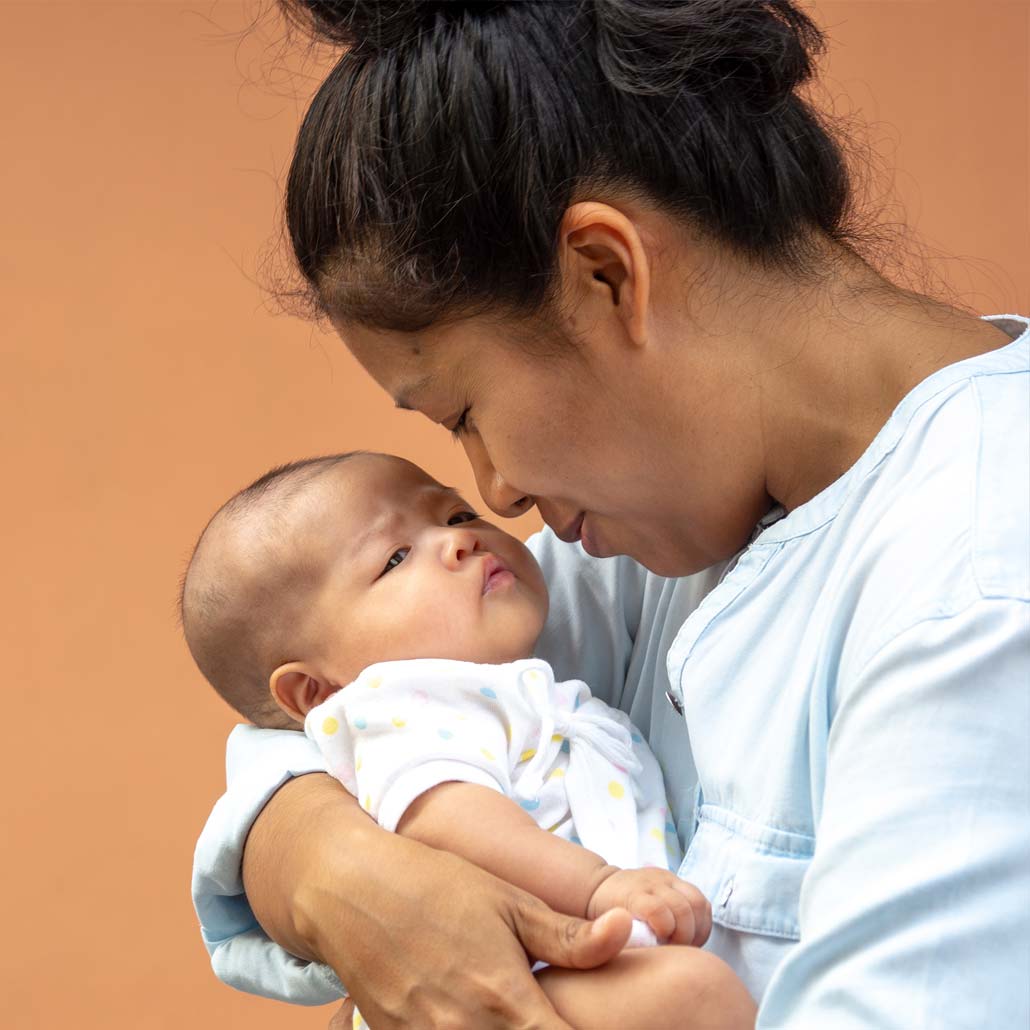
(435, 163)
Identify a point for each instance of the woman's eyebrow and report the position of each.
(406, 397)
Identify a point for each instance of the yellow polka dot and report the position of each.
(367, 803)
(507, 733)
(375, 681)
(487, 755)
(616, 789)
(551, 829)
(398, 722)
(357, 765)
(656, 833)
(527, 754)
(556, 738)
(330, 726)
(358, 1023)
(534, 676)
(557, 774)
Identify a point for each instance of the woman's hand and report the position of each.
(420, 937)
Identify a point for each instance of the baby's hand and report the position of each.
(676, 910)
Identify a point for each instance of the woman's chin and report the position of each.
(590, 541)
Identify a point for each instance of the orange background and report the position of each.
(145, 378)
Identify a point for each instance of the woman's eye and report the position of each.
(461, 426)
(462, 516)
(395, 559)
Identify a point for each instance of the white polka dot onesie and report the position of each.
(577, 766)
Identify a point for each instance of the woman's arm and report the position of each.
(916, 909)
(420, 937)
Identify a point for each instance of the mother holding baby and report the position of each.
(608, 245)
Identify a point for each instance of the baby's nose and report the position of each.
(459, 544)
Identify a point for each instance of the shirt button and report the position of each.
(727, 893)
(677, 704)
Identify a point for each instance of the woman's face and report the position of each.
(596, 444)
(628, 425)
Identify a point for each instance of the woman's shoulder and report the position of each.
(961, 472)
(941, 496)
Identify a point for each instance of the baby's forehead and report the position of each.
(373, 489)
(385, 479)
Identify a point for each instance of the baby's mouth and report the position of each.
(495, 574)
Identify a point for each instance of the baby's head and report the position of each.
(325, 566)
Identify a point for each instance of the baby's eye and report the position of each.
(395, 559)
(462, 516)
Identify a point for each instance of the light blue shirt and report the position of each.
(854, 790)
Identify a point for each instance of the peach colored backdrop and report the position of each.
(144, 378)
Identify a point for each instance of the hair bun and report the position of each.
(763, 48)
(373, 25)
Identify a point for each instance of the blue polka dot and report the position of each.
(565, 746)
(637, 738)
(530, 805)
(670, 827)
(361, 724)
(577, 703)
(487, 692)
(575, 839)
(445, 734)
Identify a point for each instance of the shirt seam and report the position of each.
(937, 617)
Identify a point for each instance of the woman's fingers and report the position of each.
(562, 940)
(343, 1017)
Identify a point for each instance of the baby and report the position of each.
(355, 596)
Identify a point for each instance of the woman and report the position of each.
(607, 245)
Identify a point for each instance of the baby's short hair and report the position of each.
(244, 594)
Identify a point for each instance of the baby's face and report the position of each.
(413, 572)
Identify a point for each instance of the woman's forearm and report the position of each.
(419, 936)
(287, 845)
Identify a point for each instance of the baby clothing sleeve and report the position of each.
(403, 727)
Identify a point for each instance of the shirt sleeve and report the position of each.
(594, 615)
(404, 727)
(258, 763)
(915, 911)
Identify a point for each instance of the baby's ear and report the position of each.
(297, 688)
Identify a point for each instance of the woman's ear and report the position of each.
(297, 688)
(604, 267)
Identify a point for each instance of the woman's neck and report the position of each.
(829, 361)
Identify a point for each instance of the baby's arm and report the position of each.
(491, 830)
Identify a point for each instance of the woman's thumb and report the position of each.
(562, 940)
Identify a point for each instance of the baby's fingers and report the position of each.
(700, 921)
(682, 927)
(656, 911)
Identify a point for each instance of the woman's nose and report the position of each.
(502, 498)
